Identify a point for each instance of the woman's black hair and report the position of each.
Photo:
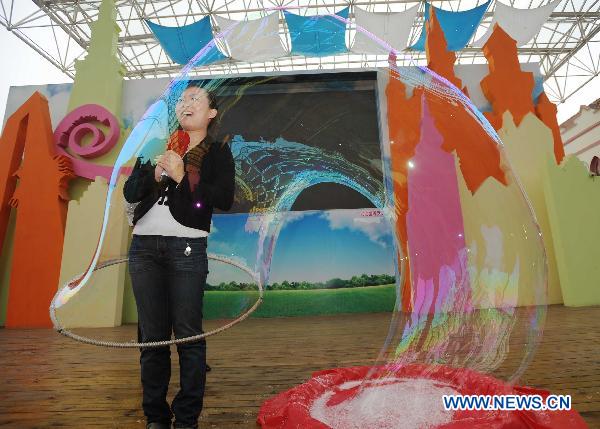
(214, 122)
(212, 98)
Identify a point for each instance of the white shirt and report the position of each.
(159, 221)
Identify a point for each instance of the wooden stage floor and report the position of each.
(50, 381)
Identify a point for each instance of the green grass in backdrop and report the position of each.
(289, 303)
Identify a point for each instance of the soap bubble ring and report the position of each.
(218, 258)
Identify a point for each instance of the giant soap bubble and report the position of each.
(469, 261)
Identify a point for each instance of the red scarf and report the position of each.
(179, 142)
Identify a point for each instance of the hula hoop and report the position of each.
(67, 333)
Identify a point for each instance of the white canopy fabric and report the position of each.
(520, 24)
(393, 28)
(252, 41)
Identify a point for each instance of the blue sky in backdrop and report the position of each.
(319, 245)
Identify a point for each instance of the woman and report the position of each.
(167, 258)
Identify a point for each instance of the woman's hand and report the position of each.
(172, 164)
(157, 172)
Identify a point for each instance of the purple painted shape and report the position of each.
(436, 243)
(80, 122)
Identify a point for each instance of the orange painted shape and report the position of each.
(41, 203)
(494, 120)
(404, 125)
(546, 112)
(439, 59)
(12, 143)
(478, 153)
(506, 87)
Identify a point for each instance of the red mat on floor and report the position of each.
(291, 409)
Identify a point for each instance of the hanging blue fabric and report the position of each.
(317, 36)
(458, 27)
(182, 43)
(538, 88)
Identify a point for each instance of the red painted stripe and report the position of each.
(588, 147)
(590, 128)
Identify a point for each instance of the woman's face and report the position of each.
(193, 111)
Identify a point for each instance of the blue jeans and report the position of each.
(169, 290)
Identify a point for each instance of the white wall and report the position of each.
(581, 133)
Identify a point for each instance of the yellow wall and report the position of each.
(527, 147)
(505, 251)
(505, 266)
(98, 303)
(573, 200)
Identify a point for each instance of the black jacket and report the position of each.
(192, 209)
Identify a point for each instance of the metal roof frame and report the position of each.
(567, 47)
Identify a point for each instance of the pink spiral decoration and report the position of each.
(79, 123)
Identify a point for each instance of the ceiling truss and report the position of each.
(567, 47)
